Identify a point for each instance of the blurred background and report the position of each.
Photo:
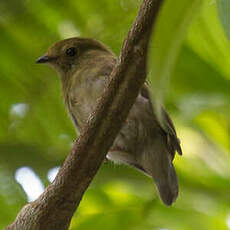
(36, 133)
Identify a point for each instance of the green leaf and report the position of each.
(169, 33)
(224, 9)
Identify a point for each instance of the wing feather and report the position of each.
(172, 139)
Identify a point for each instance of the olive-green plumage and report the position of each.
(84, 66)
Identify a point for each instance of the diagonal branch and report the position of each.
(54, 209)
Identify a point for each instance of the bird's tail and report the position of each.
(159, 166)
(168, 186)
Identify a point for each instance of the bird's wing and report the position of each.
(172, 139)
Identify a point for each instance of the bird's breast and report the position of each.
(82, 98)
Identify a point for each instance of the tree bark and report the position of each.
(54, 209)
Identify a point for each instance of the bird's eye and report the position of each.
(71, 51)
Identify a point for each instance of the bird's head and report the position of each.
(67, 55)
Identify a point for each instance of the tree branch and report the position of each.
(54, 209)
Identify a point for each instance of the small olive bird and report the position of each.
(84, 66)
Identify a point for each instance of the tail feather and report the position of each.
(168, 186)
(158, 165)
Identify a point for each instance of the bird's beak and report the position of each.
(45, 59)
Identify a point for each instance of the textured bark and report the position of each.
(54, 209)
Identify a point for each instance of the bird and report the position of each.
(84, 66)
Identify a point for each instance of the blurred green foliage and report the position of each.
(35, 130)
(224, 8)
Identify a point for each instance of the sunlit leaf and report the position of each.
(169, 33)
